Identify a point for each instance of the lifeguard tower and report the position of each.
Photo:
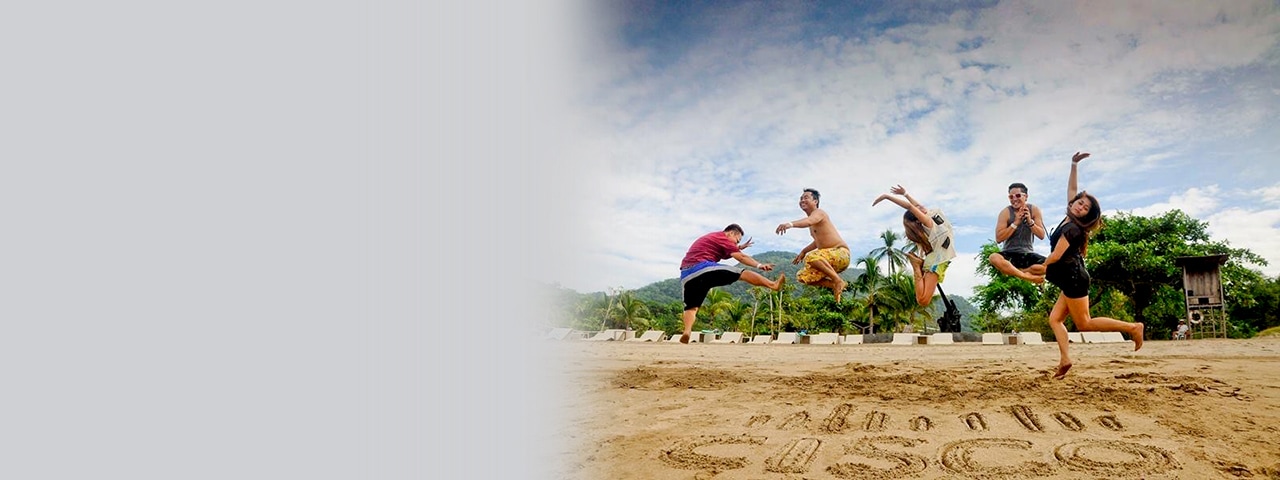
(1202, 282)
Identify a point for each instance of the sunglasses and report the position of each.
(1017, 195)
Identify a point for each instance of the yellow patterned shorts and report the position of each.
(940, 269)
(838, 258)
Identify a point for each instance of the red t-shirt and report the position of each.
(712, 247)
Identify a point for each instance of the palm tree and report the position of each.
(736, 315)
(776, 302)
(717, 301)
(894, 257)
(608, 309)
(872, 288)
(758, 296)
(631, 310)
(902, 294)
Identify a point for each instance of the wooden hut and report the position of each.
(1202, 283)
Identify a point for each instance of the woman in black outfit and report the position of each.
(1065, 269)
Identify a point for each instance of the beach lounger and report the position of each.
(786, 338)
(1075, 337)
(1112, 337)
(558, 334)
(728, 337)
(850, 339)
(826, 338)
(993, 338)
(602, 336)
(941, 338)
(1093, 337)
(675, 337)
(762, 339)
(1030, 338)
(649, 336)
(904, 339)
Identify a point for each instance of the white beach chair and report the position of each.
(825, 338)
(852, 339)
(904, 339)
(786, 338)
(558, 334)
(942, 338)
(1075, 337)
(762, 339)
(675, 337)
(728, 337)
(604, 336)
(1093, 337)
(1112, 337)
(995, 338)
(649, 336)
(1030, 338)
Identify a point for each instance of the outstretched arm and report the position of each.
(815, 217)
(907, 203)
(750, 262)
(1071, 180)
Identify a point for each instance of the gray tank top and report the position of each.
(1020, 241)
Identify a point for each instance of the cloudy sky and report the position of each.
(690, 117)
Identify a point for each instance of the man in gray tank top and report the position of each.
(1017, 227)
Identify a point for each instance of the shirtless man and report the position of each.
(827, 255)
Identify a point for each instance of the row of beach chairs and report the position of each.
(790, 338)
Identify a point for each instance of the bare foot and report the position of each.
(1062, 371)
(916, 262)
(684, 338)
(1137, 336)
(781, 280)
(839, 288)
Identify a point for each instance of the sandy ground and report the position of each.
(1187, 409)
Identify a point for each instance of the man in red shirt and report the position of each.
(700, 270)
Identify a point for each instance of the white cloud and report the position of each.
(1252, 229)
(960, 277)
(1196, 202)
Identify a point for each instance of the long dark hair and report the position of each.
(1090, 222)
(915, 232)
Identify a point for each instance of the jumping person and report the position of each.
(827, 255)
(700, 272)
(1065, 269)
(1017, 227)
(931, 232)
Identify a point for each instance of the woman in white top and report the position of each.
(930, 230)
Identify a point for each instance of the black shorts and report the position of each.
(698, 283)
(1071, 277)
(1022, 260)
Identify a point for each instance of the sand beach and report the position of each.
(1207, 408)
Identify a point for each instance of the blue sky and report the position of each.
(689, 116)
